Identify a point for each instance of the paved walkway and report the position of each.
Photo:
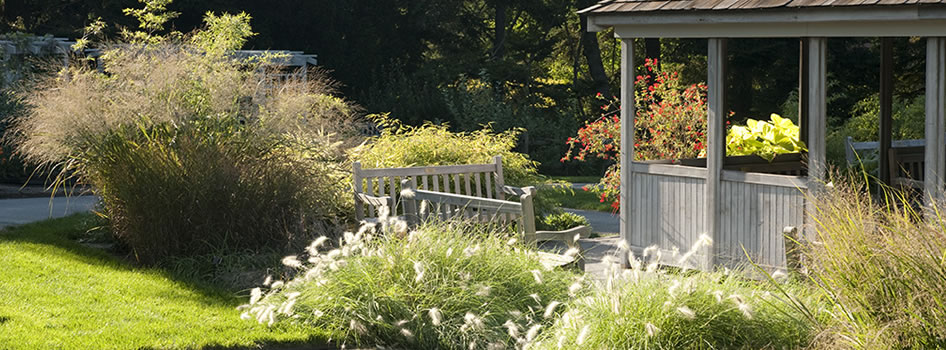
(25, 210)
(603, 223)
(595, 250)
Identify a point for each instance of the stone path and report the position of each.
(20, 211)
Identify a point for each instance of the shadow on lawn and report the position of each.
(59, 234)
(270, 346)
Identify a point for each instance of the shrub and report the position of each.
(450, 286)
(562, 221)
(648, 308)
(881, 265)
(670, 123)
(401, 145)
(192, 151)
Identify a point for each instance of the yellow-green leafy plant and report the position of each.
(764, 138)
(402, 145)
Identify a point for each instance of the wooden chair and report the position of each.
(907, 166)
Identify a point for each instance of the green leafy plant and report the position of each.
(765, 139)
(562, 221)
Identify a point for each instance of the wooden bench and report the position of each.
(377, 188)
(907, 160)
(469, 192)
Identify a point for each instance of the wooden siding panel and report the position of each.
(758, 213)
(668, 212)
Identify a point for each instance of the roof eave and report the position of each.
(789, 17)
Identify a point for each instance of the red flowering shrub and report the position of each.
(670, 124)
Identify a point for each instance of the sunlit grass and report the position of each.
(58, 294)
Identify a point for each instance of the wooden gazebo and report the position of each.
(671, 205)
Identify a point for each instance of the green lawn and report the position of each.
(575, 198)
(58, 294)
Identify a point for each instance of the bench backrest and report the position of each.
(906, 165)
(907, 158)
(477, 180)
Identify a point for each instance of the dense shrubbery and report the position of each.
(443, 286)
(190, 150)
(881, 266)
(400, 145)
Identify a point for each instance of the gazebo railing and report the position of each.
(668, 211)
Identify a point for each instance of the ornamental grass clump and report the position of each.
(192, 151)
(881, 264)
(646, 307)
(441, 286)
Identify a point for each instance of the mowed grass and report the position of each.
(575, 198)
(58, 294)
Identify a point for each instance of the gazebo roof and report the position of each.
(768, 18)
(625, 6)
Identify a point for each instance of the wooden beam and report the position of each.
(886, 107)
(627, 140)
(715, 140)
(817, 121)
(803, 90)
(935, 124)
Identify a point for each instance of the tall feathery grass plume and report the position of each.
(443, 285)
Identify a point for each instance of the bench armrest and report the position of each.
(378, 201)
(519, 191)
(568, 236)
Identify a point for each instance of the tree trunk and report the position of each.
(499, 40)
(592, 54)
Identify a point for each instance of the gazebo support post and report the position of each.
(816, 112)
(803, 90)
(627, 140)
(817, 122)
(715, 141)
(935, 123)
